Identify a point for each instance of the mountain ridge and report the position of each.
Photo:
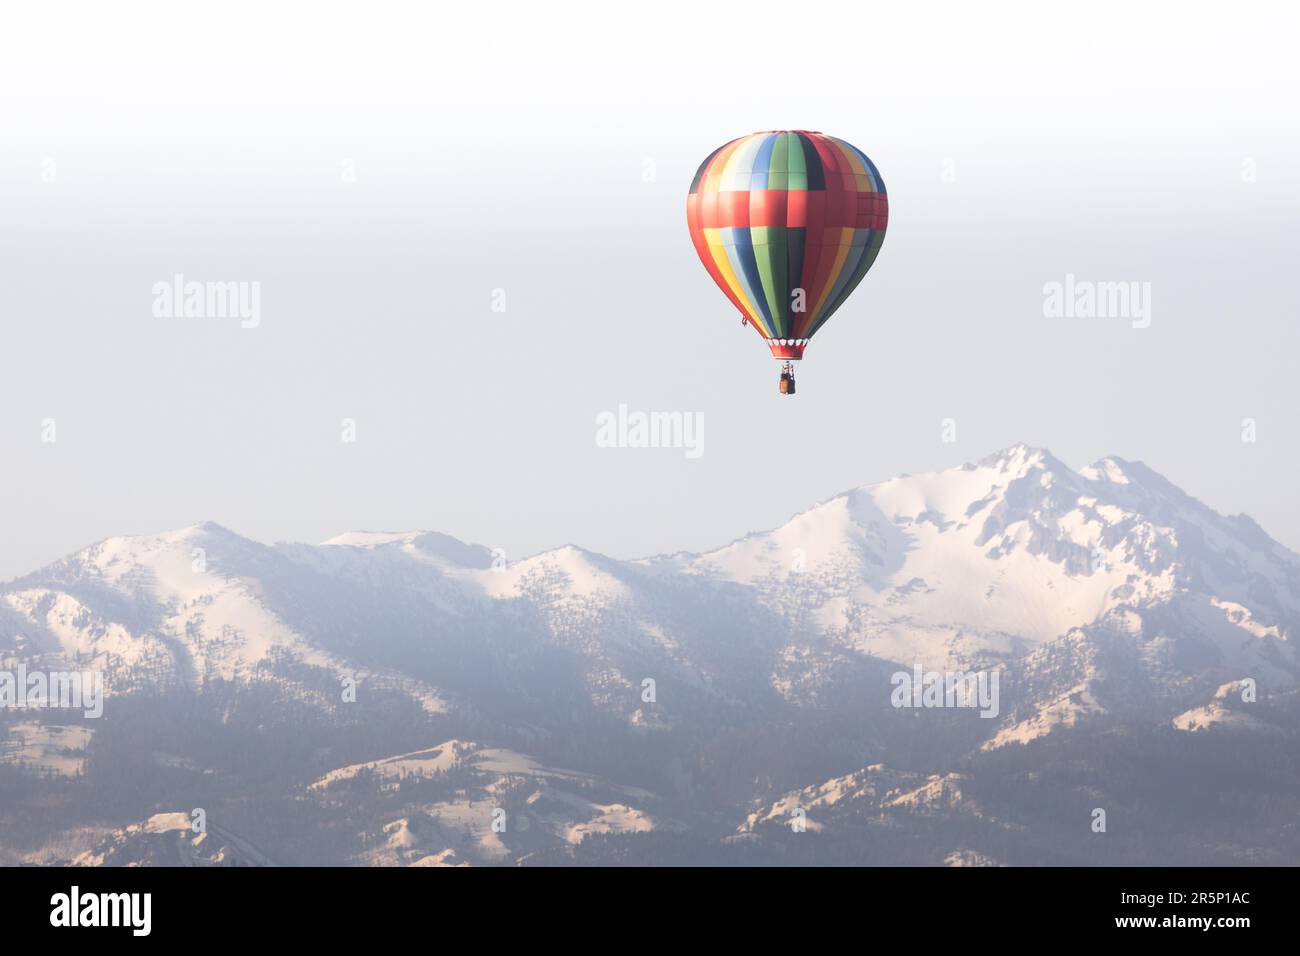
(730, 684)
(976, 565)
(1110, 468)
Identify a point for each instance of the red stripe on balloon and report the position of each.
(795, 208)
(812, 255)
(693, 206)
(769, 207)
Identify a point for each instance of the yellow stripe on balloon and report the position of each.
(718, 168)
(866, 182)
(851, 155)
(718, 250)
(739, 166)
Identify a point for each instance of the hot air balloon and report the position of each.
(787, 222)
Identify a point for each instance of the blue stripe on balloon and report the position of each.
(762, 163)
(740, 250)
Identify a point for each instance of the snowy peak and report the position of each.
(1020, 459)
(985, 560)
(1018, 474)
(178, 606)
(848, 532)
(144, 560)
(427, 545)
(1108, 470)
(370, 539)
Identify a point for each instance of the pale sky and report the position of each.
(380, 169)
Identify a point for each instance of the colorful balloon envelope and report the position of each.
(787, 223)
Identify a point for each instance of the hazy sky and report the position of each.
(380, 169)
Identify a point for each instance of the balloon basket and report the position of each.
(786, 385)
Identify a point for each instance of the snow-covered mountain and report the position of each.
(996, 558)
(458, 803)
(504, 805)
(1015, 561)
(1098, 595)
